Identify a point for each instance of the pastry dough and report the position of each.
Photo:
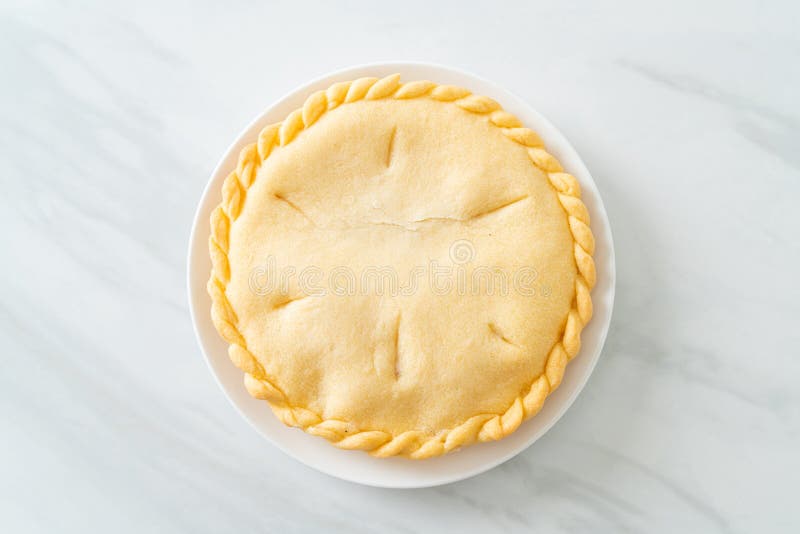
(324, 248)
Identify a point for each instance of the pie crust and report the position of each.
(376, 175)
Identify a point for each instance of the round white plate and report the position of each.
(357, 466)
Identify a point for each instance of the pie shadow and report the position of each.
(581, 456)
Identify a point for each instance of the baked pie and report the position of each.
(401, 268)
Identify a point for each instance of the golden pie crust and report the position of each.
(380, 175)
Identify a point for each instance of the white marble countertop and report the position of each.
(111, 120)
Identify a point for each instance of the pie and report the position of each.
(401, 268)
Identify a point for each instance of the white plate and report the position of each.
(357, 466)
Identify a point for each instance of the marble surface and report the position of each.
(111, 119)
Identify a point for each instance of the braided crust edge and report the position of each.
(413, 444)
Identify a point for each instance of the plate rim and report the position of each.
(557, 143)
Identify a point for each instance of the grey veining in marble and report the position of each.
(113, 115)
